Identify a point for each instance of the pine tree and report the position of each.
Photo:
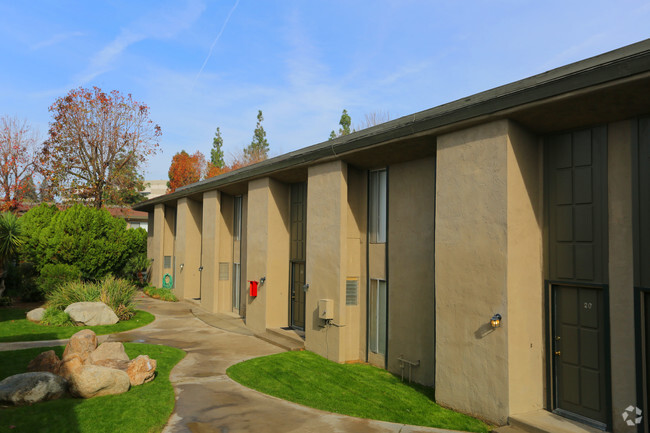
(259, 148)
(216, 154)
(345, 129)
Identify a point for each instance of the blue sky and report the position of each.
(203, 64)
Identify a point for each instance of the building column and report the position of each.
(327, 257)
(267, 254)
(210, 250)
(156, 252)
(188, 248)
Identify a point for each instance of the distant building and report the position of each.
(154, 188)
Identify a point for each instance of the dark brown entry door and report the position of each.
(298, 253)
(579, 352)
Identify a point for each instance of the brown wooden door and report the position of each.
(579, 352)
(576, 188)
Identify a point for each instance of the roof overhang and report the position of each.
(609, 87)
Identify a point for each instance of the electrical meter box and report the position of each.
(326, 309)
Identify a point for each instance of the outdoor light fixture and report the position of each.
(262, 280)
(495, 322)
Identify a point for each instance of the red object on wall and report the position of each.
(253, 288)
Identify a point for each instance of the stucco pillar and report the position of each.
(211, 223)
(621, 271)
(188, 248)
(327, 249)
(155, 247)
(267, 253)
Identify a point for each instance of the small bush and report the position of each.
(71, 292)
(55, 317)
(6, 301)
(118, 294)
(53, 275)
(162, 294)
(114, 292)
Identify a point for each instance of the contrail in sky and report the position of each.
(225, 23)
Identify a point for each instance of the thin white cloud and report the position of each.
(223, 27)
(55, 39)
(162, 23)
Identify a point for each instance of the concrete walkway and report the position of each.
(208, 401)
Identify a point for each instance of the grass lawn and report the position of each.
(350, 389)
(15, 327)
(144, 408)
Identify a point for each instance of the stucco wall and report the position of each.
(356, 266)
(155, 247)
(210, 249)
(471, 265)
(267, 253)
(327, 250)
(411, 324)
(188, 248)
(524, 318)
(621, 271)
(225, 253)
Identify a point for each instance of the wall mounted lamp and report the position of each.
(495, 322)
(262, 280)
(182, 265)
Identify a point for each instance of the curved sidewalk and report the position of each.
(208, 401)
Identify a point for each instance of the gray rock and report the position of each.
(91, 313)
(92, 381)
(114, 350)
(30, 388)
(35, 315)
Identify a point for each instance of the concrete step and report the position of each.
(507, 429)
(288, 339)
(543, 421)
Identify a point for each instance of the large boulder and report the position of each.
(83, 343)
(92, 381)
(46, 361)
(114, 351)
(68, 365)
(91, 313)
(30, 388)
(35, 315)
(141, 370)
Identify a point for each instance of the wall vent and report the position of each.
(223, 271)
(351, 291)
(167, 262)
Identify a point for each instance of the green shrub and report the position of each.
(97, 243)
(162, 294)
(20, 282)
(53, 275)
(118, 294)
(71, 292)
(6, 301)
(56, 317)
(114, 292)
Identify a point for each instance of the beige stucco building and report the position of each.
(396, 245)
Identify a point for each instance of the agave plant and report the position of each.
(10, 240)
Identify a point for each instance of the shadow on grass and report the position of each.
(56, 415)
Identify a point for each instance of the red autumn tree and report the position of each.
(97, 143)
(18, 155)
(186, 169)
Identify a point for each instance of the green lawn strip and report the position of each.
(15, 327)
(350, 389)
(160, 293)
(144, 408)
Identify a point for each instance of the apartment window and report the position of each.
(237, 219)
(377, 317)
(377, 203)
(236, 266)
